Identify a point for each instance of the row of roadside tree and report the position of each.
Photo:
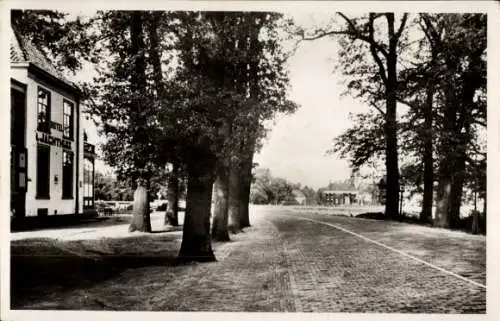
(185, 91)
(424, 76)
(190, 92)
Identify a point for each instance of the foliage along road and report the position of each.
(287, 261)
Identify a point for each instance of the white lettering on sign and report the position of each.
(56, 126)
(51, 140)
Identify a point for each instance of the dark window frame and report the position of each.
(71, 120)
(88, 178)
(67, 186)
(43, 126)
(42, 191)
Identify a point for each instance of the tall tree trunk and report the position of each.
(471, 82)
(442, 218)
(455, 137)
(196, 240)
(484, 226)
(448, 157)
(252, 82)
(426, 214)
(140, 213)
(239, 72)
(449, 193)
(456, 191)
(234, 206)
(246, 182)
(220, 230)
(172, 210)
(445, 181)
(391, 151)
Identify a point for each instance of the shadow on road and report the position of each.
(72, 222)
(44, 266)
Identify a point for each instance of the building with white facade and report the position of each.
(339, 193)
(52, 166)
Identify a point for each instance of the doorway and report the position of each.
(18, 156)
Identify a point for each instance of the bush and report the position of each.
(476, 227)
(162, 207)
(289, 202)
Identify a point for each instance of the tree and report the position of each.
(140, 215)
(266, 84)
(190, 126)
(108, 188)
(435, 126)
(158, 28)
(418, 91)
(103, 187)
(379, 81)
(122, 101)
(173, 195)
(267, 189)
(364, 143)
(461, 39)
(252, 83)
(311, 195)
(60, 39)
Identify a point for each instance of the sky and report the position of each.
(295, 148)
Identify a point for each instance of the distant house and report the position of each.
(52, 165)
(339, 193)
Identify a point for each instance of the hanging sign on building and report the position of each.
(51, 140)
(89, 148)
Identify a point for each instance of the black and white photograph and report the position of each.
(238, 157)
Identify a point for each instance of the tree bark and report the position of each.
(426, 214)
(172, 210)
(246, 182)
(391, 151)
(140, 214)
(447, 153)
(471, 82)
(458, 179)
(456, 127)
(220, 230)
(234, 208)
(441, 218)
(484, 213)
(196, 240)
(252, 81)
(449, 193)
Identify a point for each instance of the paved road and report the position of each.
(294, 261)
(312, 266)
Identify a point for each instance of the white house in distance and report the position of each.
(52, 165)
(339, 193)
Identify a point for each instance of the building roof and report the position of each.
(22, 50)
(338, 191)
(341, 187)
